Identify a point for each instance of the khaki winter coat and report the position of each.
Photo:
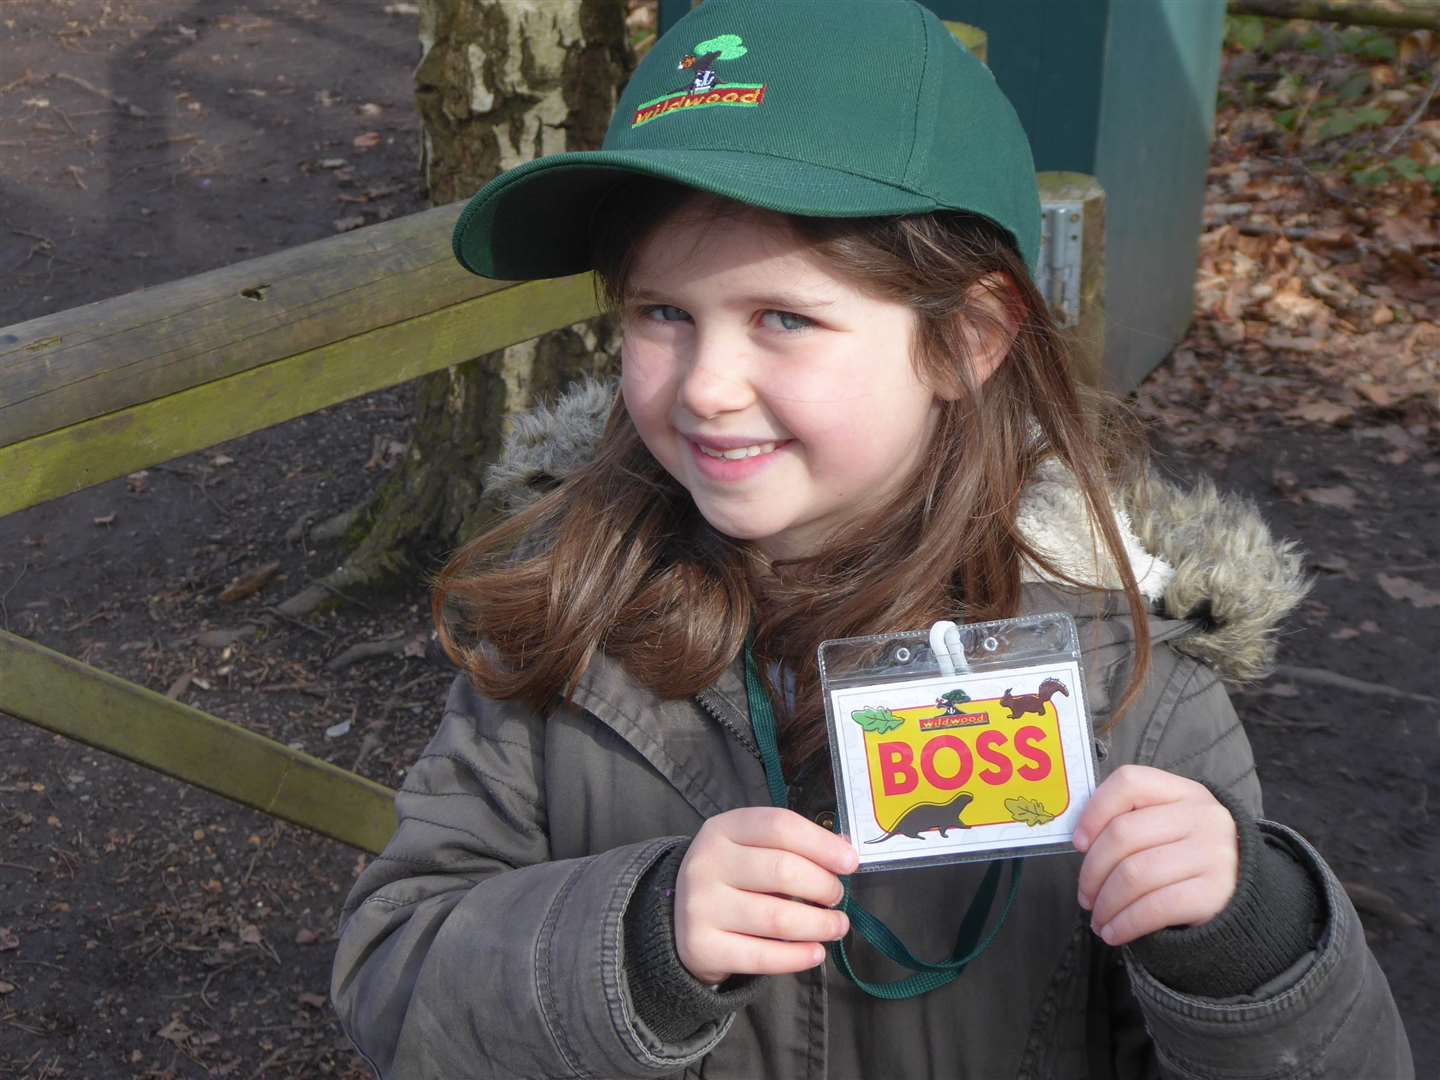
(487, 940)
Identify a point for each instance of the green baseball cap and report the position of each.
(821, 108)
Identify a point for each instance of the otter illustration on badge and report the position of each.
(962, 762)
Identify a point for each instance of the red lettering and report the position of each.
(957, 779)
(1025, 740)
(988, 746)
(897, 768)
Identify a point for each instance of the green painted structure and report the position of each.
(1123, 90)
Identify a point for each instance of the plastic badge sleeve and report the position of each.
(959, 743)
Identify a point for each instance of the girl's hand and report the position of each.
(1160, 851)
(747, 894)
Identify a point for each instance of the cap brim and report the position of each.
(535, 221)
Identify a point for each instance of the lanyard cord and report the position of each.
(927, 976)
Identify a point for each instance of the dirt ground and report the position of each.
(151, 930)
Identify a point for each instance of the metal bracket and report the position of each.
(1061, 250)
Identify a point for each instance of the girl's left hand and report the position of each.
(1160, 851)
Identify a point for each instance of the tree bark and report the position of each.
(500, 82)
(1399, 14)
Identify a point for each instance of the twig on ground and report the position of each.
(118, 102)
(24, 80)
(365, 650)
(61, 113)
(1276, 720)
(1321, 677)
(1411, 120)
(4, 608)
(273, 610)
(30, 235)
(313, 689)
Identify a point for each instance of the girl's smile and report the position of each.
(781, 396)
(731, 460)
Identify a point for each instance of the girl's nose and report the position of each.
(714, 385)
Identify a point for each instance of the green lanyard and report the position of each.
(927, 976)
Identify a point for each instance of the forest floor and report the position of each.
(148, 929)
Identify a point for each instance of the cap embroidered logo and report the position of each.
(704, 89)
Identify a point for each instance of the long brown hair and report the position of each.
(617, 559)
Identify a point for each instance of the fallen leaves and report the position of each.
(249, 584)
(1329, 413)
(1402, 588)
(1318, 287)
(1340, 496)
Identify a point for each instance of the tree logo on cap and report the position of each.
(704, 89)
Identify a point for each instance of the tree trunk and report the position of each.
(500, 82)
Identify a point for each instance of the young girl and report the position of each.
(844, 411)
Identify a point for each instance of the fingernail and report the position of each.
(1084, 901)
(1081, 840)
(1108, 933)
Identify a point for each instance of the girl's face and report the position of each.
(782, 397)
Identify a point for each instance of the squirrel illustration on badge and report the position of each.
(1036, 702)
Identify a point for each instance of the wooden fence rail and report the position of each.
(101, 710)
(100, 391)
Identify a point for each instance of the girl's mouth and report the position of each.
(754, 450)
(735, 463)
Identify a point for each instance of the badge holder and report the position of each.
(964, 743)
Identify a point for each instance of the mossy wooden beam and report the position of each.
(61, 462)
(74, 365)
(1395, 14)
(101, 710)
(1087, 338)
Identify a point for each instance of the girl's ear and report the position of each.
(988, 324)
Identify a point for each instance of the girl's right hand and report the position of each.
(754, 894)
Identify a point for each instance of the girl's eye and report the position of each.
(786, 320)
(665, 313)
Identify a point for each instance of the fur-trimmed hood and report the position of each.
(1198, 555)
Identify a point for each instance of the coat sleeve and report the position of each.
(1331, 1013)
(465, 951)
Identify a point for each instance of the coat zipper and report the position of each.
(718, 714)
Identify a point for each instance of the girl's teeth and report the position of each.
(740, 452)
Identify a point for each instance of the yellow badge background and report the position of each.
(988, 807)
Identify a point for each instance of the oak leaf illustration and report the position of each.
(1031, 811)
(878, 720)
